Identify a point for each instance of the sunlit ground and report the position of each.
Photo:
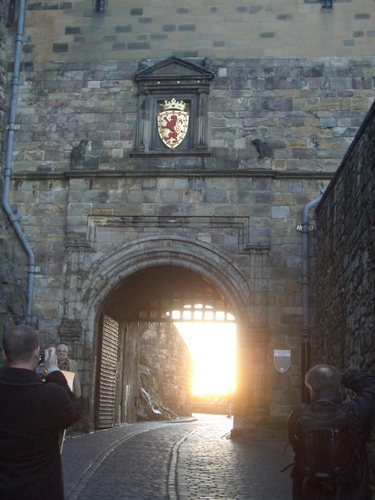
(213, 348)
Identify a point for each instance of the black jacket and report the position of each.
(32, 413)
(360, 412)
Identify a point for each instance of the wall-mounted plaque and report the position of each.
(172, 109)
(282, 359)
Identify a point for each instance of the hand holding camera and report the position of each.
(47, 361)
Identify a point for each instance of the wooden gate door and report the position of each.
(106, 393)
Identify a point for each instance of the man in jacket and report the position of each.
(31, 416)
(323, 383)
(68, 365)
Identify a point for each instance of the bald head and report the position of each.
(322, 377)
(19, 344)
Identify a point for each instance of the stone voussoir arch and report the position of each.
(152, 251)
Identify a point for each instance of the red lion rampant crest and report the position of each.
(173, 123)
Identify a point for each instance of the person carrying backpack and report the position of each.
(329, 437)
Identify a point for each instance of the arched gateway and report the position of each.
(151, 273)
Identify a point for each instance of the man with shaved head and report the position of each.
(353, 420)
(32, 414)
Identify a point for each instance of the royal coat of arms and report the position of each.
(173, 122)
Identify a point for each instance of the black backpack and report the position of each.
(324, 451)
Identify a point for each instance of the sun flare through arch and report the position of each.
(213, 349)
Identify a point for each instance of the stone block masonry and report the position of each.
(13, 265)
(13, 260)
(346, 263)
(164, 350)
(250, 220)
(277, 129)
(279, 114)
(346, 242)
(292, 84)
(282, 29)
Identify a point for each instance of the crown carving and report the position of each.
(173, 104)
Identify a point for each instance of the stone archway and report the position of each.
(151, 299)
(200, 257)
(108, 274)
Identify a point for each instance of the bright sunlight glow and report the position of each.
(213, 348)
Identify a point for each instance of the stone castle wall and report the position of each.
(303, 114)
(13, 260)
(73, 30)
(84, 195)
(292, 85)
(13, 263)
(163, 349)
(346, 258)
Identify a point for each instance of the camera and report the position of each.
(42, 358)
(41, 355)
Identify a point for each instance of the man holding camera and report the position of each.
(32, 414)
(341, 451)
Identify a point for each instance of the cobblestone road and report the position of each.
(174, 461)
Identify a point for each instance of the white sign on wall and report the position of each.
(281, 359)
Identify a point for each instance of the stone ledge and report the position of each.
(68, 174)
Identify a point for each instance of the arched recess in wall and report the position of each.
(200, 257)
(108, 275)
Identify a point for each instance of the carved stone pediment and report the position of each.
(174, 71)
(171, 81)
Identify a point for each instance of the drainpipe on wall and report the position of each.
(14, 217)
(305, 228)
